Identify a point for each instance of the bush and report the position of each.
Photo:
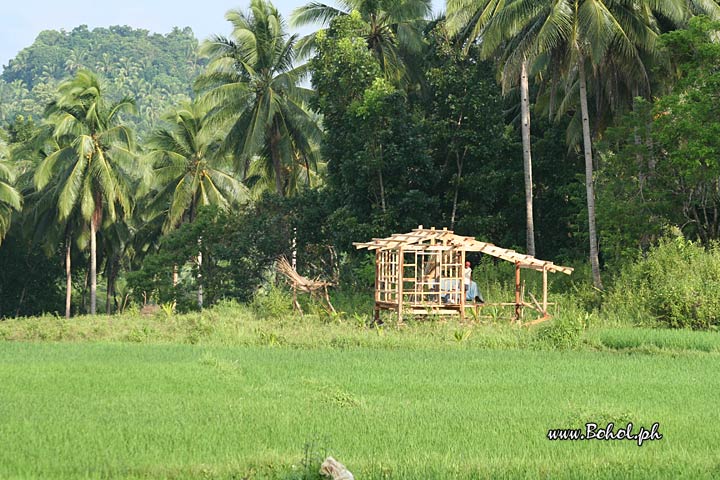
(272, 302)
(563, 332)
(677, 284)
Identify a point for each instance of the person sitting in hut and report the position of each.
(472, 293)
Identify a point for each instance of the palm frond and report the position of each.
(314, 13)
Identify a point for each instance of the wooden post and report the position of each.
(400, 266)
(463, 293)
(517, 291)
(545, 285)
(378, 272)
(377, 276)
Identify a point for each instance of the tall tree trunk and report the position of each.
(527, 159)
(459, 162)
(21, 301)
(94, 223)
(589, 185)
(276, 160)
(382, 183)
(93, 266)
(382, 190)
(68, 276)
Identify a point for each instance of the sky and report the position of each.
(22, 20)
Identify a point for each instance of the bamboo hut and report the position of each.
(421, 272)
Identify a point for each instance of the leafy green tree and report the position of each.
(380, 171)
(592, 32)
(38, 226)
(252, 90)
(30, 280)
(660, 160)
(90, 163)
(46, 230)
(467, 133)
(238, 248)
(189, 170)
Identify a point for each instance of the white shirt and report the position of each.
(467, 275)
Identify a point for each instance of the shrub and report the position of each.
(677, 283)
(563, 332)
(272, 302)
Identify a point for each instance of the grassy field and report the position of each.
(224, 395)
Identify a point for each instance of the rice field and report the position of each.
(413, 408)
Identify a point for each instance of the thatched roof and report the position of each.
(429, 239)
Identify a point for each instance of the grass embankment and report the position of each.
(228, 395)
(235, 325)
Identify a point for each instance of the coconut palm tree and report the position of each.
(495, 22)
(10, 198)
(42, 224)
(299, 175)
(189, 170)
(577, 39)
(587, 35)
(40, 216)
(90, 163)
(252, 92)
(393, 27)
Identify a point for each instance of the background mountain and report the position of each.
(156, 70)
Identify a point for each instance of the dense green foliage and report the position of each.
(10, 199)
(676, 283)
(661, 161)
(38, 288)
(238, 250)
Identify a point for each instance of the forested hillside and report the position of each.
(156, 70)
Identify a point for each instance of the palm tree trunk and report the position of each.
(527, 159)
(589, 186)
(108, 274)
(93, 266)
(68, 276)
(94, 223)
(382, 190)
(275, 154)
